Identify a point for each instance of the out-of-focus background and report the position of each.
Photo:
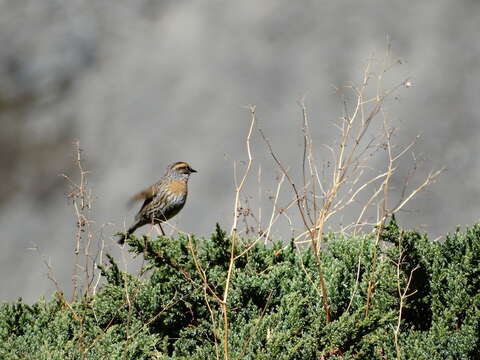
(144, 83)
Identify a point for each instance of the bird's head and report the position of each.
(180, 169)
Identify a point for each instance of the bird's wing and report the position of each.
(154, 203)
(147, 195)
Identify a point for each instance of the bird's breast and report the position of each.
(178, 188)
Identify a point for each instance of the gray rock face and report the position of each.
(143, 84)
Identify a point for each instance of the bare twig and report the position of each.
(349, 176)
(81, 197)
(222, 299)
(403, 295)
(314, 241)
(233, 234)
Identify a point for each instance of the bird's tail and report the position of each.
(124, 236)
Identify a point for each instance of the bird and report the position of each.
(163, 200)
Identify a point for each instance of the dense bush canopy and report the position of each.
(274, 304)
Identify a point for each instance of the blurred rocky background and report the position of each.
(144, 83)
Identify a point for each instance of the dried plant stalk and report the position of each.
(352, 174)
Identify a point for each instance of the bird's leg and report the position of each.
(157, 222)
(160, 226)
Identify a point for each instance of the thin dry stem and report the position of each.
(349, 177)
(403, 294)
(311, 232)
(81, 197)
(233, 234)
(223, 299)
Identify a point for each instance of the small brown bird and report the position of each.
(163, 200)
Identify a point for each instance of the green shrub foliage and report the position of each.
(274, 303)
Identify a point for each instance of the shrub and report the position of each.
(274, 304)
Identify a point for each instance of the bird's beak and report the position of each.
(192, 170)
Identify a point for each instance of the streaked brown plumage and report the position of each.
(164, 199)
